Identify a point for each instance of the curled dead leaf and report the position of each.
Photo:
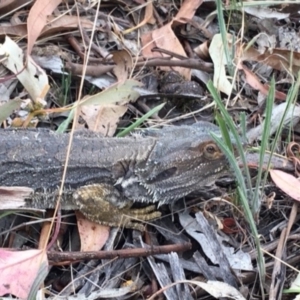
(287, 183)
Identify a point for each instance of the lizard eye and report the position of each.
(211, 150)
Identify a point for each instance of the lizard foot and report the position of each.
(103, 204)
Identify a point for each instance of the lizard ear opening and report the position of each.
(164, 175)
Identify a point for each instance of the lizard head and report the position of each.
(184, 159)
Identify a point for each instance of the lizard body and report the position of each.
(154, 166)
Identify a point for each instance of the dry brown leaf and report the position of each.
(202, 50)
(123, 61)
(64, 23)
(187, 10)
(93, 236)
(147, 18)
(13, 30)
(14, 197)
(287, 183)
(279, 59)
(148, 44)
(98, 112)
(54, 25)
(37, 19)
(102, 118)
(254, 82)
(164, 38)
(8, 6)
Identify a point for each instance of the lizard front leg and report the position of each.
(103, 204)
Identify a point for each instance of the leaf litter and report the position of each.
(118, 58)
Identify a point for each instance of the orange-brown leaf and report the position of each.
(287, 183)
(37, 19)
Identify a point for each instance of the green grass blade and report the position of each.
(231, 126)
(232, 162)
(65, 124)
(138, 122)
(260, 257)
(223, 31)
(244, 184)
(255, 202)
(224, 131)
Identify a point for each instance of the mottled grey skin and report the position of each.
(155, 165)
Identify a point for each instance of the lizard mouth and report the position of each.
(163, 175)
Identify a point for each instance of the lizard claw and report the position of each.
(99, 203)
